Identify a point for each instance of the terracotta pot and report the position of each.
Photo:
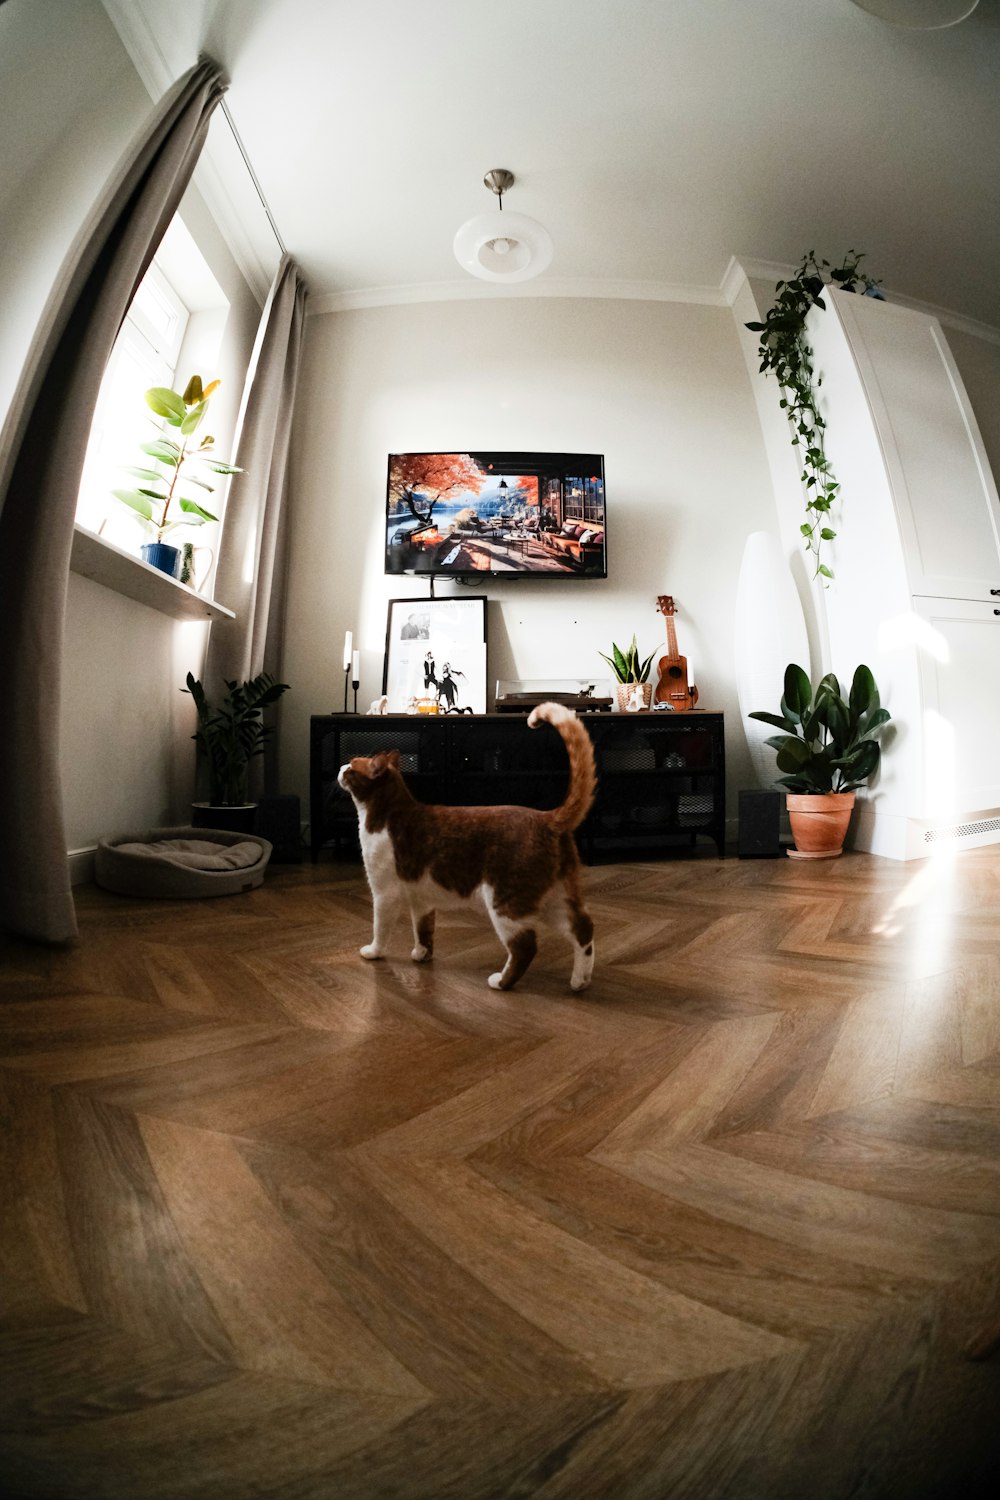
(625, 690)
(819, 823)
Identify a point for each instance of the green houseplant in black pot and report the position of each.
(228, 739)
(827, 749)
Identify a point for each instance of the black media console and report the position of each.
(661, 777)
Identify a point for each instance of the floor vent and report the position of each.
(962, 830)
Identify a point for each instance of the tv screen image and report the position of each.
(496, 514)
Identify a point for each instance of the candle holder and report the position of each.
(355, 684)
(347, 674)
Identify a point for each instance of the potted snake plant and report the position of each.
(827, 748)
(632, 673)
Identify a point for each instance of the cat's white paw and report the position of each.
(420, 954)
(370, 951)
(495, 981)
(583, 968)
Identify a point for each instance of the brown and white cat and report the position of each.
(520, 862)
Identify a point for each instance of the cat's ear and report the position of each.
(378, 765)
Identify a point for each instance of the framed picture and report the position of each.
(436, 649)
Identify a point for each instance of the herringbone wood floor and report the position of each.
(281, 1223)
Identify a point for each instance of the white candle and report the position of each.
(347, 650)
(356, 668)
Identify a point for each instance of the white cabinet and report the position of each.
(961, 695)
(944, 496)
(916, 592)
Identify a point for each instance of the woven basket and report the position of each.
(625, 690)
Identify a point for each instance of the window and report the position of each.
(584, 500)
(173, 329)
(145, 354)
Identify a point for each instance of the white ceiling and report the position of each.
(655, 139)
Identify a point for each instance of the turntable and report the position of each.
(585, 695)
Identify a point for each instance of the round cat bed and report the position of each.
(181, 863)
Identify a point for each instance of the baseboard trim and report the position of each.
(81, 865)
(896, 836)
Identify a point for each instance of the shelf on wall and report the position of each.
(112, 566)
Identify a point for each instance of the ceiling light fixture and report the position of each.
(920, 15)
(500, 246)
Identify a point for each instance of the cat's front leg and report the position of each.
(385, 914)
(423, 936)
(387, 896)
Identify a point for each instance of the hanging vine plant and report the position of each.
(784, 352)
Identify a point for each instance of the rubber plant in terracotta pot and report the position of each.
(228, 737)
(827, 748)
(633, 689)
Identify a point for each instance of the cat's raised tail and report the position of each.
(582, 774)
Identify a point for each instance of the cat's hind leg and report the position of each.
(568, 915)
(521, 943)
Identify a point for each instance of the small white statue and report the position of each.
(380, 705)
(636, 701)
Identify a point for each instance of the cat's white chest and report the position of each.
(380, 860)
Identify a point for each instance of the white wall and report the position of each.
(70, 102)
(660, 389)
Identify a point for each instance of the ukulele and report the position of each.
(673, 687)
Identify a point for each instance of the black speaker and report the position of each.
(279, 821)
(760, 825)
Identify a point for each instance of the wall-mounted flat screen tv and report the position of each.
(501, 515)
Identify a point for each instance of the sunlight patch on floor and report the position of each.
(924, 908)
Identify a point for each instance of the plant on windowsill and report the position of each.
(784, 352)
(158, 502)
(827, 750)
(632, 674)
(228, 738)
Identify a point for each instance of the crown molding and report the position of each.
(745, 268)
(737, 274)
(460, 291)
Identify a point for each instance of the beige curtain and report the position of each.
(252, 550)
(42, 450)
